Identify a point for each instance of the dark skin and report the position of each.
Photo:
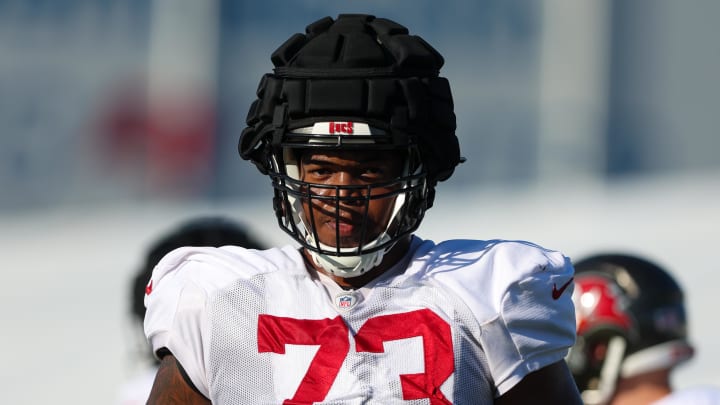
(552, 384)
(342, 168)
(171, 388)
(645, 388)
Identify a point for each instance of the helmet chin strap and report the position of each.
(355, 265)
(351, 266)
(664, 355)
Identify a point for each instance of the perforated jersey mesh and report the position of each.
(238, 374)
(471, 382)
(233, 347)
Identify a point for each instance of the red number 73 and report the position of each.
(333, 338)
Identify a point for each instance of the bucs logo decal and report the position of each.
(598, 300)
(340, 128)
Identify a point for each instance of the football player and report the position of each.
(632, 333)
(355, 127)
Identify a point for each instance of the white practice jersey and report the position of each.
(460, 322)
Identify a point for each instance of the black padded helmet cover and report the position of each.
(356, 68)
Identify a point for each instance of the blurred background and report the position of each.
(587, 126)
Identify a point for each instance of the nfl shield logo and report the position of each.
(345, 301)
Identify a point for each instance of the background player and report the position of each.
(632, 333)
(355, 128)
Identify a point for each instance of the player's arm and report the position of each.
(552, 384)
(170, 386)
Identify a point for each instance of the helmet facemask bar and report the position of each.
(337, 199)
(297, 202)
(362, 196)
(291, 194)
(595, 361)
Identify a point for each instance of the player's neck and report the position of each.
(390, 259)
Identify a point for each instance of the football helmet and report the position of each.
(354, 83)
(630, 320)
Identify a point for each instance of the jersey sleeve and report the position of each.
(520, 295)
(175, 313)
(535, 325)
(178, 293)
(181, 288)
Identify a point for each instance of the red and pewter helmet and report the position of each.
(356, 82)
(630, 320)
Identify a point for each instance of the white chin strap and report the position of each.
(351, 266)
(664, 355)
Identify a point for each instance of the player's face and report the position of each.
(353, 219)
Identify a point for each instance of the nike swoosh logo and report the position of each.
(557, 292)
